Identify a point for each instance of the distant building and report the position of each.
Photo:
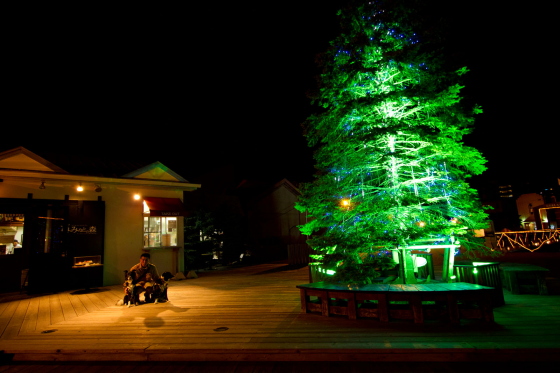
(500, 205)
(525, 208)
(539, 210)
(273, 220)
(82, 228)
(547, 216)
(506, 191)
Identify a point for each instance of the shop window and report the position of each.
(11, 233)
(159, 231)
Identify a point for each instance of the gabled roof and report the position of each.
(155, 171)
(22, 163)
(288, 185)
(251, 191)
(260, 188)
(22, 159)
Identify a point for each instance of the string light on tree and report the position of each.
(389, 140)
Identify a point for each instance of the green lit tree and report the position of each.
(391, 167)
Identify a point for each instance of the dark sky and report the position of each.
(199, 85)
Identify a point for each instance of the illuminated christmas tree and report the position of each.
(391, 166)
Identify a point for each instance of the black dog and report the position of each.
(131, 295)
(160, 291)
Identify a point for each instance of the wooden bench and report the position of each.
(524, 278)
(449, 301)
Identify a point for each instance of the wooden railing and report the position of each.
(481, 273)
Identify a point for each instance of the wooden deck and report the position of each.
(253, 314)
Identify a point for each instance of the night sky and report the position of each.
(200, 86)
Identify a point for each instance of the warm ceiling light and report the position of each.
(80, 188)
(137, 196)
(42, 186)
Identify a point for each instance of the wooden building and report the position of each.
(273, 220)
(80, 229)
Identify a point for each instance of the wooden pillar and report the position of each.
(448, 261)
(406, 267)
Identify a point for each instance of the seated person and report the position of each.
(11, 250)
(147, 277)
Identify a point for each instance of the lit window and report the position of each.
(11, 233)
(159, 231)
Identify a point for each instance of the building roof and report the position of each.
(20, 162)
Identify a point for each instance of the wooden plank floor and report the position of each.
(273, 367)
(252, 314)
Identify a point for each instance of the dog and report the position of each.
(160, 291)
(131, 295)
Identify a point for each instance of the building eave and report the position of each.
(47, 177)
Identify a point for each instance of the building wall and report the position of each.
(273, 222)
(123, 241)
(124, 235)
(276, 216)
(525, 205)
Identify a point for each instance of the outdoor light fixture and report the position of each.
(137, 196)
(80, 188)
(420, 261)
(42, 186)
(98, 188)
